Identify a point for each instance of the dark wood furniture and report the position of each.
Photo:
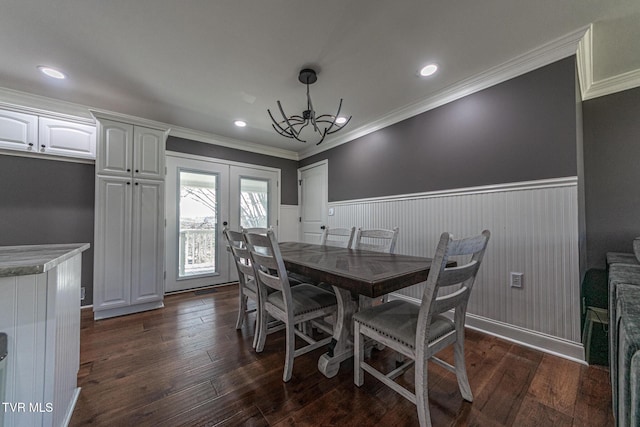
(351, 273)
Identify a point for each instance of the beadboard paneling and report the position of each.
(534, 230)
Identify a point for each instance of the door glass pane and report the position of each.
(198, 220)
(254, 203)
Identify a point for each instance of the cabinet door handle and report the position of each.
(137, 171)
(30, 146)
(42, 147)
(136, 183)
(128, 183)
(128, 170)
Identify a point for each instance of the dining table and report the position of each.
(357, 278)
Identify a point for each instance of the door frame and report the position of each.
(233, 222)
(324, 163)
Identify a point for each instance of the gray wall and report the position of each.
(612, 174)
(46, 201)
(523, 129)
(289, 168)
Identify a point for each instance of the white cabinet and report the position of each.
(30, 133)
(65, 138)
(18, 131)
(128, 150)
(129, 226)
(112, 269)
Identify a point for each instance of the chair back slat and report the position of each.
(456, 275)
(347, 235)
(256, 230)
(379, 240)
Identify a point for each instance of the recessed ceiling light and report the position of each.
(240, 123)
(341, 120)
(428, 70)
(51, 72)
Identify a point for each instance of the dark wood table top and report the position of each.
(372, 274)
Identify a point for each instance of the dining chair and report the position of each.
(344, 237)
(418, 332)
(293, 305)
(378, 240)
(247, 287)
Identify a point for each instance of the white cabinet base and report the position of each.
(121, 311)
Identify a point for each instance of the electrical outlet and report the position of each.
(516, 280)
(82, 293)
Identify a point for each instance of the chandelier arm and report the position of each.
(281, 132)
(335, 117)
(324, 133)
(293, 131)
(277, 126)
(338, 127)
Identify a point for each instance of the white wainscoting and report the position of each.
(288, 228)
(534, 230)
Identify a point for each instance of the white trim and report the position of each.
(125, 118)
(46, 107)
(593, 89)
(237, 144)
(46, 157)
(546, 54)
(521, 336)
(313, 165)
(189, 156)
(483, 189)
(74, 400)
(625, 81)
(55, 108)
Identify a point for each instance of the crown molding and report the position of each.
(546, 54)
(55, 108)
(593, 89)
(41, 106)
(237, 144)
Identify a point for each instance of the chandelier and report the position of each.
(324, 124)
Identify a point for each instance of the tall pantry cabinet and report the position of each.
(129, 224)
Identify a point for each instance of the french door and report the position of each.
(204, 196)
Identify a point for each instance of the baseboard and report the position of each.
(121, 311)
(72, 405)
(526, 337)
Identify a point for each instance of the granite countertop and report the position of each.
(36, 259)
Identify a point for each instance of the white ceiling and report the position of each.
(202, 64)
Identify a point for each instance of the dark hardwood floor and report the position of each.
(187, 365)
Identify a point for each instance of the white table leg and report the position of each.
(341, 347)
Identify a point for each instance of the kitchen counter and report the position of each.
(35, 259)
(40, 315)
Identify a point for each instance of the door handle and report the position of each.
(322, 227)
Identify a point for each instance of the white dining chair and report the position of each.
(340, 237)
(378, 240)
(292, 305)
(418, 332)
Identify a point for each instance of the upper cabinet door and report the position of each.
(18, 131)
(67, 138)
(148, 156)
(115, 148)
